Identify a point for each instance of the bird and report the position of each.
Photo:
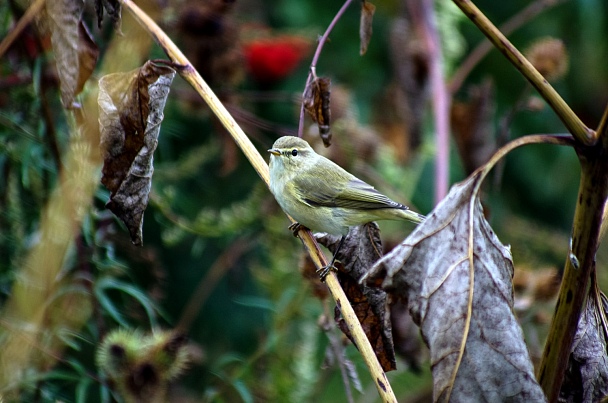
(322, 196)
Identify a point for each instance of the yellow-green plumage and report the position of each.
(321, 195)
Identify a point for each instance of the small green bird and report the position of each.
(324, 197)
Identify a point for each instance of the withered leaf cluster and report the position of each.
(76, 53)
(130, 113)
(455, 275)
(74, 49)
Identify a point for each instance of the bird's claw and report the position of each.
(323, 272)
(295, 228)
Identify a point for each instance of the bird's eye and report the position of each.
(294, 152)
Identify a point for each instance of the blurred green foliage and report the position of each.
(255, 335)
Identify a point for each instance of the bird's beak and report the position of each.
(274, 151)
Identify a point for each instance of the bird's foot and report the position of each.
(323, 272)
(295, 228)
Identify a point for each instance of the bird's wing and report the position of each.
(356, 194)
(360, 195)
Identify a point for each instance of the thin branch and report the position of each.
(483, 48)
(190, 74)
(522, 141)
(23, 22)
(208, 282)
(572, 122)
(337, 349)
(504, 129)
(313, 64)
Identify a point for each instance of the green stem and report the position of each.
(580, 264)
(572, 122)
(579, 267)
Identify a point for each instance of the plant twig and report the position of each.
(483, 48)
(504, 129)
(208, 282)
(522, 141)
(313, 64)
(572, 122)
(23, 22)
(193, 78)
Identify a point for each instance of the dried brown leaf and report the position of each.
(63, 22)
(130, 113)
(365, 25)
(361, 248)
(456, 278)
(316, 103)
(586, 377)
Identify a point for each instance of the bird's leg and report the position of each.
(295, 228)
(324, 271)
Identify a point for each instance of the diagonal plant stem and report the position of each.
(190, 74)
(483, 48)
(572, 122)
(208, 282)
(23, 22)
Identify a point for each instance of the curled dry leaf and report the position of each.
(316, 103)
(586, 377)
(455, 276)
(69, 42)
(365, 25)
(362, 247)
(130, 113)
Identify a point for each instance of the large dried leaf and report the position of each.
(63, 22)
(361, 249)
(456, 277)
(365, 25)
(130, 113)
(586, 378)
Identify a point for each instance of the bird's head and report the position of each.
(291, 153)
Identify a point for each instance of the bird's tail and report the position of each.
(412, 216)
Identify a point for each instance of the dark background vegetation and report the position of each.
(212, 229)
